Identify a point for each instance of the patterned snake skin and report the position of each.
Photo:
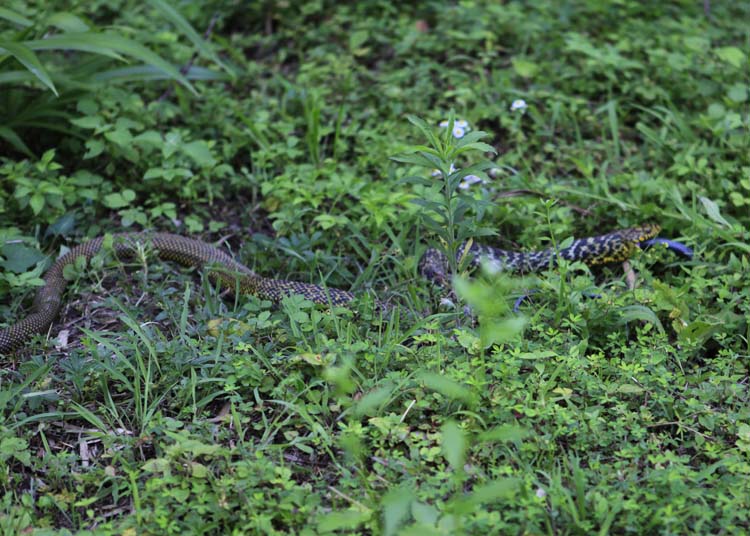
(226, 272)
(616, 246)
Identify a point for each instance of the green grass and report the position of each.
(175, 408)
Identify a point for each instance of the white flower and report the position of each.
(437, 173)
(518, 104)
(541, 493)
(469, 180)
(446, 302)
(496, 172)
(460, 127)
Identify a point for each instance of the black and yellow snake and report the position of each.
(225, 271)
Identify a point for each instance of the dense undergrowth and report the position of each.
(159, 405)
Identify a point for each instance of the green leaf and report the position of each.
(713, 212)
(37, 203)
(149, 138)
(172, 142)
(200, 153)
(426, 130)
(63, 226)
(67, 22)
(639, 312)
(454, 444)
(347, 519)
(19, 257)
(29, 60)
(14, 447)
(475, 146)
(139, 73)
(112, 45)
(630, 389)
(88, 122)
(419, 123)
(499, 489)
(119, 136)
(743, 437)
(524, 68)
(119, 199)
(420, 159)
(357, 39)
(373, 400)
(737, 92)
(156, 465)
(731, 55)
(421, 529)
(9, 135)
(424, 513)
(471, 137)
(174, 16)
(497, 331)
(93, 148)
(504, 432)
(16, 77)
(447, 387)
(14, 17)
(696, 44)
(395, 509)
(95, 43)
(198, 470)
(698, 331)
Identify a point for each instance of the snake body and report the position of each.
(226, 272)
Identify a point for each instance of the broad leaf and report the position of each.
(19, 257)
(454, 444)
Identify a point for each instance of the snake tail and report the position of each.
(222, 270)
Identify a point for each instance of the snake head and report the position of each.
(639, 234)
(434, 266)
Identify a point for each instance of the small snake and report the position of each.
(226, 272)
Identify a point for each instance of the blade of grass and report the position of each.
(112, 45)
(28, 59)
(14, 17)
(184, 26)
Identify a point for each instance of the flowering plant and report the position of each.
(452, 215)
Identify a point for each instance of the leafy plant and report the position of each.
(450, 214)
(67, 75)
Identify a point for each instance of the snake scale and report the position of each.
(225, 271)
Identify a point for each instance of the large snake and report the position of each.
(225, 271)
